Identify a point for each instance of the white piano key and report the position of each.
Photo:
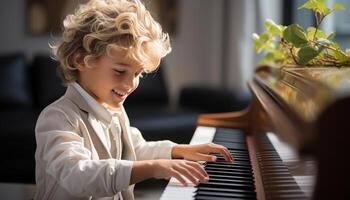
(175, 190)
(298, 168)
(203, 135)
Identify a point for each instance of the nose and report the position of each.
(130, 84)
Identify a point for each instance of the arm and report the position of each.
(150, 150)
(61, 153)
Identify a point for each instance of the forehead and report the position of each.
(121, 57)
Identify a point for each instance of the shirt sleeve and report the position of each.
(61, 154)
(150, 150)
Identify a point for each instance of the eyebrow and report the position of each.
(128, 66)
(122, 64)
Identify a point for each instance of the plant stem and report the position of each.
(292, 54)
(318, 23)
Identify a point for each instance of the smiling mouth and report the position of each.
(120, 94)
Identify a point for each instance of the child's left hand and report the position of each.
(200, 152)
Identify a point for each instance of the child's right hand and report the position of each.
(180, 169)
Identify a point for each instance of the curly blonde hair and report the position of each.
(101, 25)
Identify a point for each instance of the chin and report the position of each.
(117, 105)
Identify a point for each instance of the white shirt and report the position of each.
(74, 159)
(108, 118)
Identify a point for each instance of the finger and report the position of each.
(227, 152)
(205, 157)
(199, 168)
(185, 172)
(223, 151)
(197, 173)
(178, 176)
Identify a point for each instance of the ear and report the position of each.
(78, 61)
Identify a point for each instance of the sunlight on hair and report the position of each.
(99, 25)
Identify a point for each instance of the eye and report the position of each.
(119, 71)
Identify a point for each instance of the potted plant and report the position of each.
(293, 46)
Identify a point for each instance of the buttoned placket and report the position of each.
(116, 133)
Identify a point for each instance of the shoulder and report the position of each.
(61, 112)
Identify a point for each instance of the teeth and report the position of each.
(120, 93)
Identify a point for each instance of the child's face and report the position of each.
(111, 78)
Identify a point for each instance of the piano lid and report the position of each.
(305, 91)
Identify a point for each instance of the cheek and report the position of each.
(137, 82)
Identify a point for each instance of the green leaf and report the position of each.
(295, 35)
(261, 41)
(338, 7)
(318, 6)
(273, 28)
(311, 5)
(319, 34)
(339, 55)
(272, 58)
(335, 46)
(306, 54)
(331, 36)
(325, 42)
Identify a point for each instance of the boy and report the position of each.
(86, 148)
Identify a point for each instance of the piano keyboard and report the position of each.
(236, 180)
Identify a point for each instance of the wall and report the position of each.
(196, 53)
(13, 35)
(196, 58)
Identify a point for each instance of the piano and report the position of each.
(291, 142)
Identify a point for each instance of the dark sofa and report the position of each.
(27, 87)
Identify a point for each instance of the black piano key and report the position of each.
(223, 134)
(236, 158)
(229, 170)
(236, 179)
(227, 190)
(220, 132)
(230, 177)
(273, 170)
(237, 163)
(291, 186)
(274, 174)
(228, 165)
(208, 197)
(228, 185)
(288, 196)
(279, 181)
(233, 168)
(281, 192)
(230, 180)
(272, 164)
(281, 178)
(227, 173)
(238, 146)
(220, 194)
(239, 155)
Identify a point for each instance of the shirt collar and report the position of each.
(100, 109)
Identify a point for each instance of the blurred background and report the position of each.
(207, 71)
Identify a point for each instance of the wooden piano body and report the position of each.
(307, 108)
